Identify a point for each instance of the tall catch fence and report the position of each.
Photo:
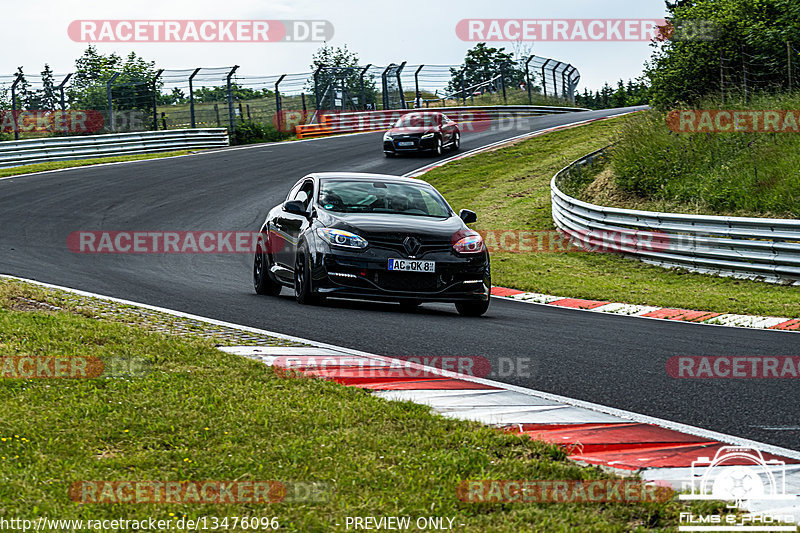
(210, 97)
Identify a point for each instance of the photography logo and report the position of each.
(742, 476)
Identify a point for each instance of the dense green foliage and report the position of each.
(735, 173)
(739, 40)
(248, 132)
(483, 63)
(630, 94)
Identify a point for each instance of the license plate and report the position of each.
(412, 265)
(405, 143)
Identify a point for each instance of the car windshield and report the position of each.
(417, 120)
(366, 196)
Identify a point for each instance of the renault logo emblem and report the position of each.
(412, 246)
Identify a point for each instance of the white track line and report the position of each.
(636, 417)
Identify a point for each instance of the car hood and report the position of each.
(411, 131)
(381, 225)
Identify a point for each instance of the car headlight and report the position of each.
(387, 137)
(342, 238)
(472, 243)
(428, 135)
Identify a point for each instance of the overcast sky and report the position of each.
(35, 32)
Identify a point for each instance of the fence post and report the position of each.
(503, 81)
(231, 121)
(278, 104)
(417, 95)
(555, 82)
(722, 76)
(316, 88)
(155, 103)
(191, 95)
(400, 85)
(464, 85)
(14, 106)
(385, 86)
(303, 99)
(63, 101)
(110, 107)
(528, 80)
(744, 74)
(544, 77)
(361, 81)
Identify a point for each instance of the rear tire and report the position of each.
(303, 290)
(389, 154)
(472, 308)
(456, 143)
(262, 282)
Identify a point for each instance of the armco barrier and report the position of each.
(363, 121)
(758, 248)
(27, 152)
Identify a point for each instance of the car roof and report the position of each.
(366, 177)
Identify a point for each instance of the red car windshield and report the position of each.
(418, 120)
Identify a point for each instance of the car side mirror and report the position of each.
(468, 216)
(294, 207)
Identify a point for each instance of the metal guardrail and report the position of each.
(757, 248)
(27, 152)
(363, 121)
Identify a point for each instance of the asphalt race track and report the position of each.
(612, 360)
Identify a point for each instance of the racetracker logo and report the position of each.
(766, 367)
(552, 241)
(173, 242)
(734, 121)
(338, 369)
(51, 121)
(348, 121)
(200, 31)
(541, 491)
(176, 492)
(78, 367)
(591, 30)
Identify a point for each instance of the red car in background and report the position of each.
(422, 132)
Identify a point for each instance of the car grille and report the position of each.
(396, 245)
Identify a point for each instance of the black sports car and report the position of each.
(375, 237)
(420, 132)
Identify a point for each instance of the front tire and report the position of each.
(303, 290)
(439, 146)
(262, 282)
(472, 308)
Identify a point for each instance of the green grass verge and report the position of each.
(739, 174)
(57, 165)
(509, 188)
(200, 414)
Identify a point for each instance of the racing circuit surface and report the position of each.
(611, 360)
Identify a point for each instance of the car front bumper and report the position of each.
(366, 275)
